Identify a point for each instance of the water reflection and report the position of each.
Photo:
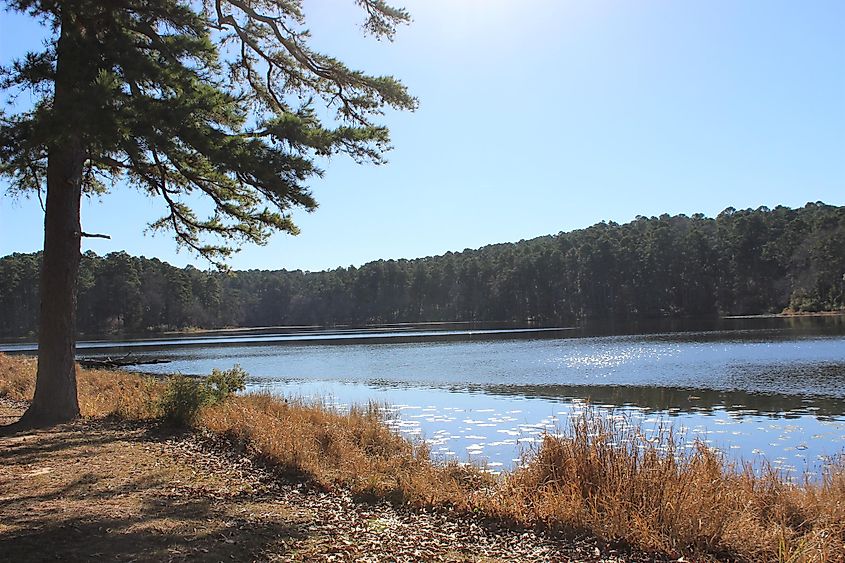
(307, 335)
(677, 328)
(679, 400)
(805, 366)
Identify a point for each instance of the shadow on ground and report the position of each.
(187, 535)
(110, 491)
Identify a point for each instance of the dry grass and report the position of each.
(608, 478)
(17, 377)
(604, 477)
(101, 392)
(354, 450)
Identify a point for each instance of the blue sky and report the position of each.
(542, 116)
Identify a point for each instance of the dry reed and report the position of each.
(609, 478)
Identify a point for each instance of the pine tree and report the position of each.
(221, 98)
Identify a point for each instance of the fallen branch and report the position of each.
(118, 362)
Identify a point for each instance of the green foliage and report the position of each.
(225, 100)
(221, 384)
(182, 401)
(184, 397)
(741, 262)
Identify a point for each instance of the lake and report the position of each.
(767, 389)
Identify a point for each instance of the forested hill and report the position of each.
(741, 262)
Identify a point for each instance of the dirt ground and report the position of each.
(114, 491)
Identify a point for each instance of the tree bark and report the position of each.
(55, 397)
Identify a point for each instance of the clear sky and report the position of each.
(540, 116)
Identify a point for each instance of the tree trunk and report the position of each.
(55, 397)
(55, 388)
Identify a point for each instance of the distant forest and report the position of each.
(742, 262)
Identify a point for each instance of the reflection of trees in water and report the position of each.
(814, 380)
(823, 379)
(752, 328)
(680, 400)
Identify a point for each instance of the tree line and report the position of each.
(740, 262)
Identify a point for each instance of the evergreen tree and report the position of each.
(222, 98)
(694, 267)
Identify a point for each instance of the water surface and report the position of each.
(760, 390)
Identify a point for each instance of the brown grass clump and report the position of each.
(101, 392)
(17, 377)
(353, 449)
(115, 393)
(608, 478)
(603, 477)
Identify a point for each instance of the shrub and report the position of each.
(221, 384)
(184, 397)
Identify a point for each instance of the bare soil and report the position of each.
(115, 491)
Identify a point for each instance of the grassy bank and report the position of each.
(601, 478)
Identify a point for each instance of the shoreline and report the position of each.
(194, 495)
(399, 327)
(789, 315)
(612, 485)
